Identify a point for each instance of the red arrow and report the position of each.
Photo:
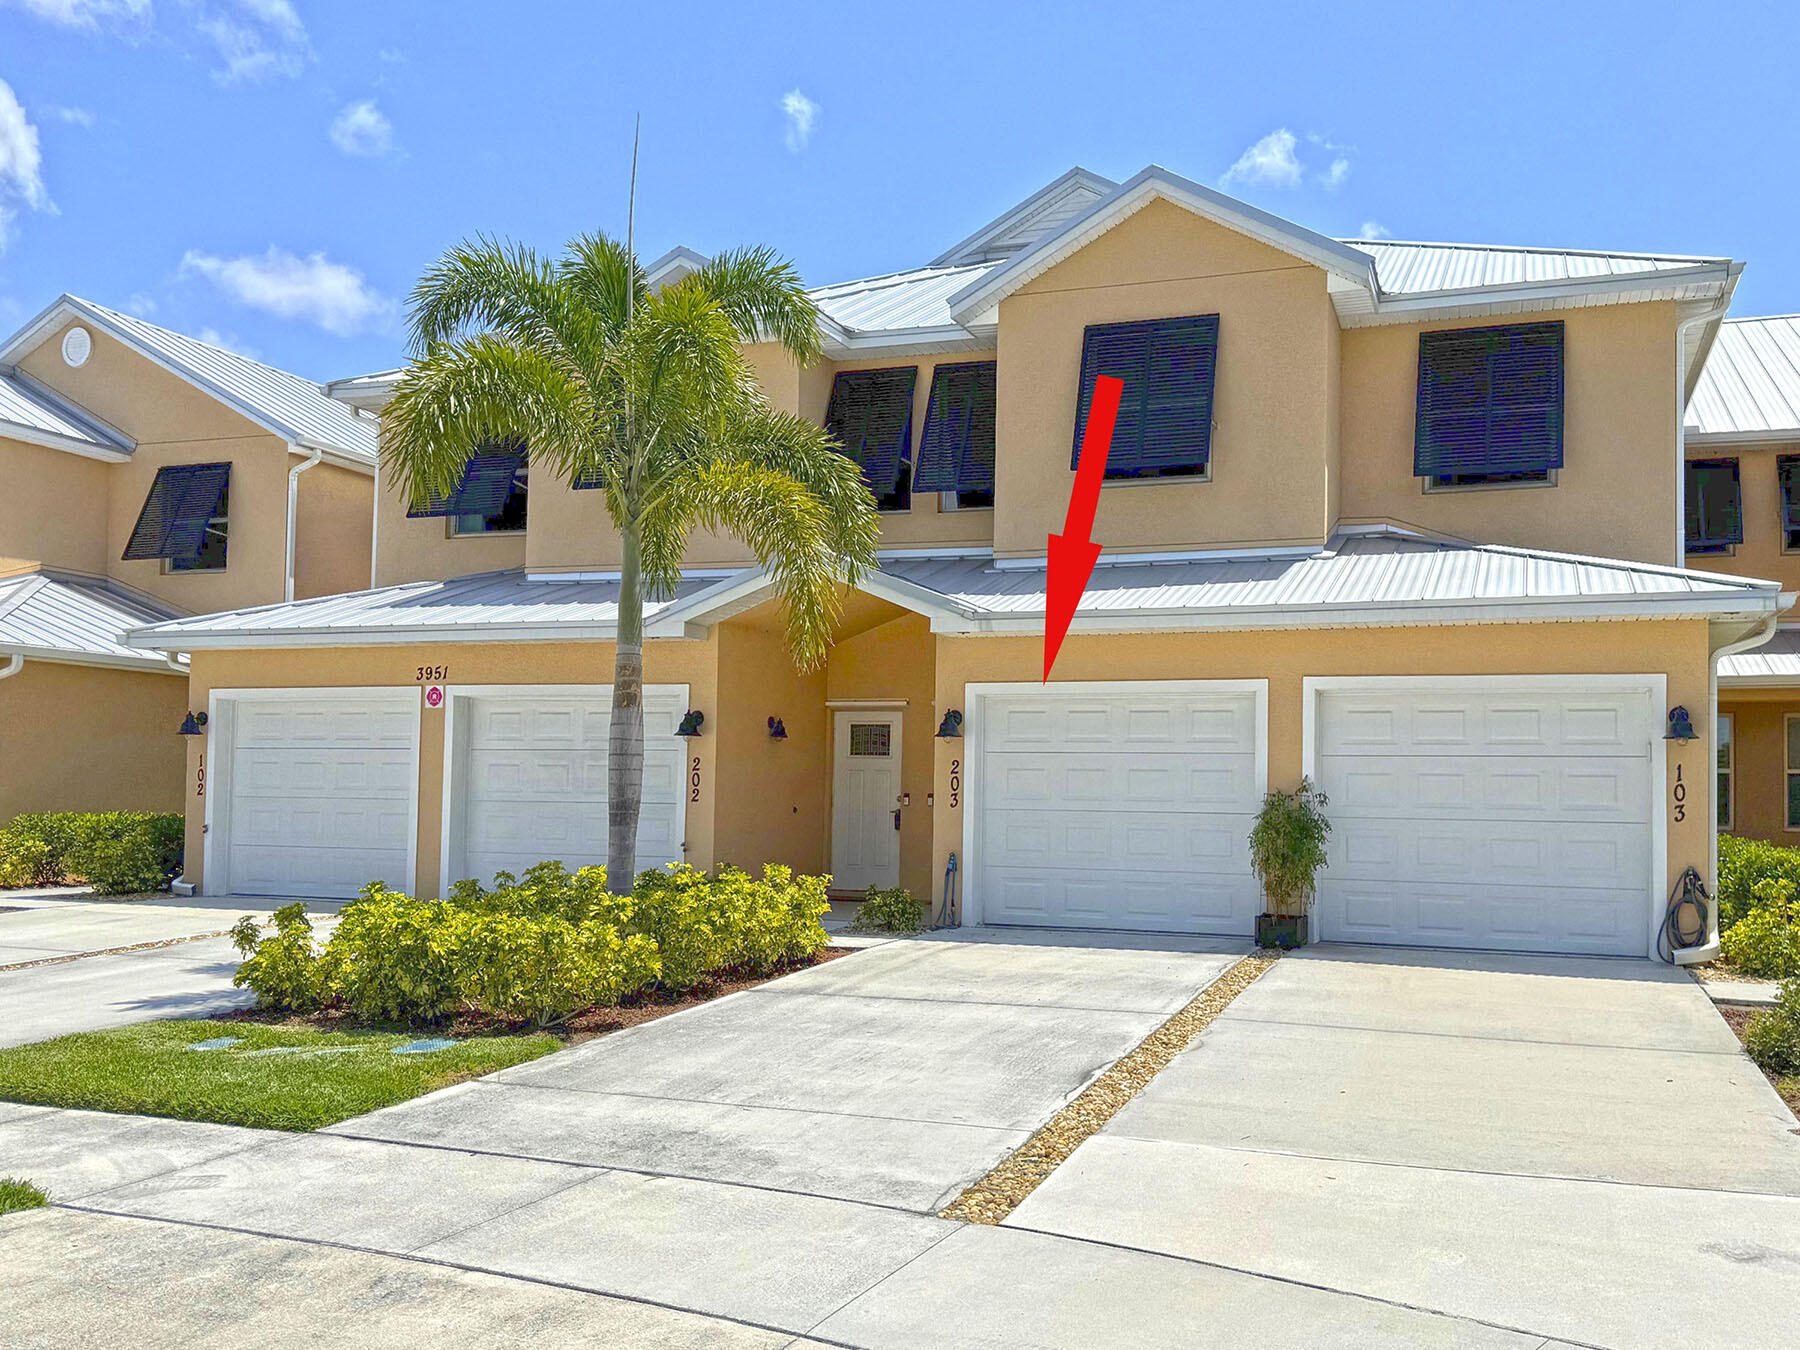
(1072, 553)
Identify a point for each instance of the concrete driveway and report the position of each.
(1571, 1147)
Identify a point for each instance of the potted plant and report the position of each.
(1287, 849)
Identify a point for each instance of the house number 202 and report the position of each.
(694, 780)
(1679, 793)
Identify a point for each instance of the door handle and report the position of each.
(896, 820)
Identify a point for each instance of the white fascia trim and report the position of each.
(1037, 562)
(615, 575)
(974, 301)
(104, 441)
(388, 636)
(1771, 681)
(1019, 213)
(1421, 306)
(692, 616)
(52, 440)
(847, 343)
(1726, 439)
(152, 665)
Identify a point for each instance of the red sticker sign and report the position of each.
(434, 696)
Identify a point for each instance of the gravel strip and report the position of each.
(114, 951)
(1000, 1192)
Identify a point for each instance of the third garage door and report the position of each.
(1108, 808)
(1508, 814)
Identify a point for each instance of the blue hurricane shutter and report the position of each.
(588, 480)
(181, 500)
(870, 414)
(1713, 504)
(1168, 368)
(956, 450)
(1490, 401)
(1787, 468)
(486, 483)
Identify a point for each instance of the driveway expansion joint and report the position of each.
(1239, 1018)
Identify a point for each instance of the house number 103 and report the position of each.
(1679, 793)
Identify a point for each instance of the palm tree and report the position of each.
(649, 395)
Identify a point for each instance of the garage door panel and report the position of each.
(1611, 856)
(1451, 914)
(1025, 839)
(1093, 780)
(1602, 788)
(1529, 722)
(1158, 723)
(1172, 902)
(350, 822)
(337, 725)
(318, 772)
(306, 871)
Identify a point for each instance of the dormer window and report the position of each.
(1714, 506)
(489, 499)
(184, 519)
(871, 415)
(1166, 410)
(1490, 406)
(956, 453)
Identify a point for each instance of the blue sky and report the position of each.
(274, 173)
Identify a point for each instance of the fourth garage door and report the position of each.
(1507, 814)
(1109, 808)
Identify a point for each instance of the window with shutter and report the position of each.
(1713, 505)
(870, 415)
(490, 498)
(956, 451)
(1787, 472)
(1164, 428)
(183, 518)
(1490, 406)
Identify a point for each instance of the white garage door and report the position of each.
(1104, 809)
(318, 793)
(1513, 816)
(530, 784)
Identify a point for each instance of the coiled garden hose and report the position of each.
(1689, 919)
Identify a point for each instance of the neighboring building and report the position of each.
(1406, 518)
(1743, 517)
(145, 475)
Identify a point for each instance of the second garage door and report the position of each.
(1512, 814)
(1102, 807)
(529, 781)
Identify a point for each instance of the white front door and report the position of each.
(313, 791)
(1510, 812)
(865, 801)
(528, 779)
(1116, 805)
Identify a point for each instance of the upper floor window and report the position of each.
(871, 415)
(1166, 408)
(183, 520)
(1714, 506)
(1490, 406)
(491, 497)
(956, 452)
(1787, 471)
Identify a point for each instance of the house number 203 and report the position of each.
(1679, 794)
(955, 782)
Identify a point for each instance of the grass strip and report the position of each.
(1002, 1190)
(315, 1078)
(16, 1195)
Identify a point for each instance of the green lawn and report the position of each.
(315, 1078)
(16, 1195)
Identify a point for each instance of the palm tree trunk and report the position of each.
(625, 741)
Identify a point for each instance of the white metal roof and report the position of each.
(1358, 581)
(286, 405)
(57, 616)
(1749, 388)
(29, 412)
(1409, 268)
(1049, 208)
(1775, 664)
(916, 299)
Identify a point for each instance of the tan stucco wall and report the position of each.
(425, 550)
(1271, 438)
(84, 738)
(1763, 552)
(1618, 493)
(1676, 648)
(1759, 761)
(53, 509)
(333, 520)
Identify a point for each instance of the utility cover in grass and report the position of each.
(149, 1069)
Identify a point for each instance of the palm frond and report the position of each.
(599, 273)
(486, 285)
(764, 298)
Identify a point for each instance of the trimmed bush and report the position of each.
(1772, 1038)
(888, 911)
(1745, 866)
(116, 852)
(283, 970)
(1766, 941)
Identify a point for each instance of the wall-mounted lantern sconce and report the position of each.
(192, 724)
(777, 732)
(951, 727)
(1681, 726)
(690, 723)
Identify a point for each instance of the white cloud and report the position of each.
(255, 39)
(21, 164)
(141, 304)
(231, 342)
(89, 15)
(362, 129)
(1373, 229)
(1271, 161)
(75, 117)
(332, 295)
(802, 114)
(1337, 173)
(391, 56)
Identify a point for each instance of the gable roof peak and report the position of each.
(1020, 226)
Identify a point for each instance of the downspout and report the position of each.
(180, 885)
(13, 667)
(293, 508)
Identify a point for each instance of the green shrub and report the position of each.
(1287, 846)
(1766, 941)
(282, 970)
(1772, 1038)
(116, 852)
(394, 957)
(545, 968)
(888, 911)
(1745, 865)
(694, 934)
